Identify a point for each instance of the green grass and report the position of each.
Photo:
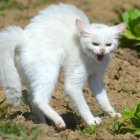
(89, 130)
(9, 4)
(11, 130)
(14, 131)
(14, 4)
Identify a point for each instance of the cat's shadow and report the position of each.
(27, 115)
(71, 119)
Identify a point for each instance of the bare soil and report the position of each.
(122, 78)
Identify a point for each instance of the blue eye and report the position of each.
(108, 44)
(95, 44)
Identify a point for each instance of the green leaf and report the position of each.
(137, 111)
(137, 44)
(137, 132)
(125, 129)
(117, 127)
(132, 33)
(125, 17)
(128, 34)
(130, 14)
(135, 121)
(89, 130)
(134, 27)
(130, 122)
(127, 114)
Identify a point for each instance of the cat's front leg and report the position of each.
(73, 87)
(76, 95)
(97, 87)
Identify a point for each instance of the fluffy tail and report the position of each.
(10, 39)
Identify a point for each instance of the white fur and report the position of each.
(55, 39)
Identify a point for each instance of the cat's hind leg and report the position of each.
(42, 84)
(38, 114)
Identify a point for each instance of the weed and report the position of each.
(89, 130)
(86, 130)
(15, 131)
(9, 4)
(130, 122)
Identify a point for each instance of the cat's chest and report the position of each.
(92, 67)
(95, 68)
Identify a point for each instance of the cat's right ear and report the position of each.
(81, 26)
(119, 29)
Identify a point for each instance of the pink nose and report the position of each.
(102, 51)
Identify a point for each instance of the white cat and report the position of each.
(58, 37)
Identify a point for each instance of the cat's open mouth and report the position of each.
(100, 57)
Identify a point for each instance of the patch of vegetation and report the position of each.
(130, 122)
(14, 131)
(132, 33)
(89, 130)
(2, 13)
(11, 130)
(9, 4)
(14, 4)
(24, 98)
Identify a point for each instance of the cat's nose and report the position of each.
(102, 51)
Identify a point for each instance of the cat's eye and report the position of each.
(108, 44)
(95, 44)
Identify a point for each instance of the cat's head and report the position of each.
(99, 40)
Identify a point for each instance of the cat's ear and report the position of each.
(83, 30)
(119, 29)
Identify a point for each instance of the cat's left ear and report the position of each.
(119, 29)
(82, 28)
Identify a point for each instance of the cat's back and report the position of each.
(58, 16)
(60, 11)
(52, 33)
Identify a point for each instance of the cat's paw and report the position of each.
(13, 96)
(60, 125)
(14, 99)
(115, 114)
(111, 112)
(95, 121)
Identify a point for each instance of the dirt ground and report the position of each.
(122, 78)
